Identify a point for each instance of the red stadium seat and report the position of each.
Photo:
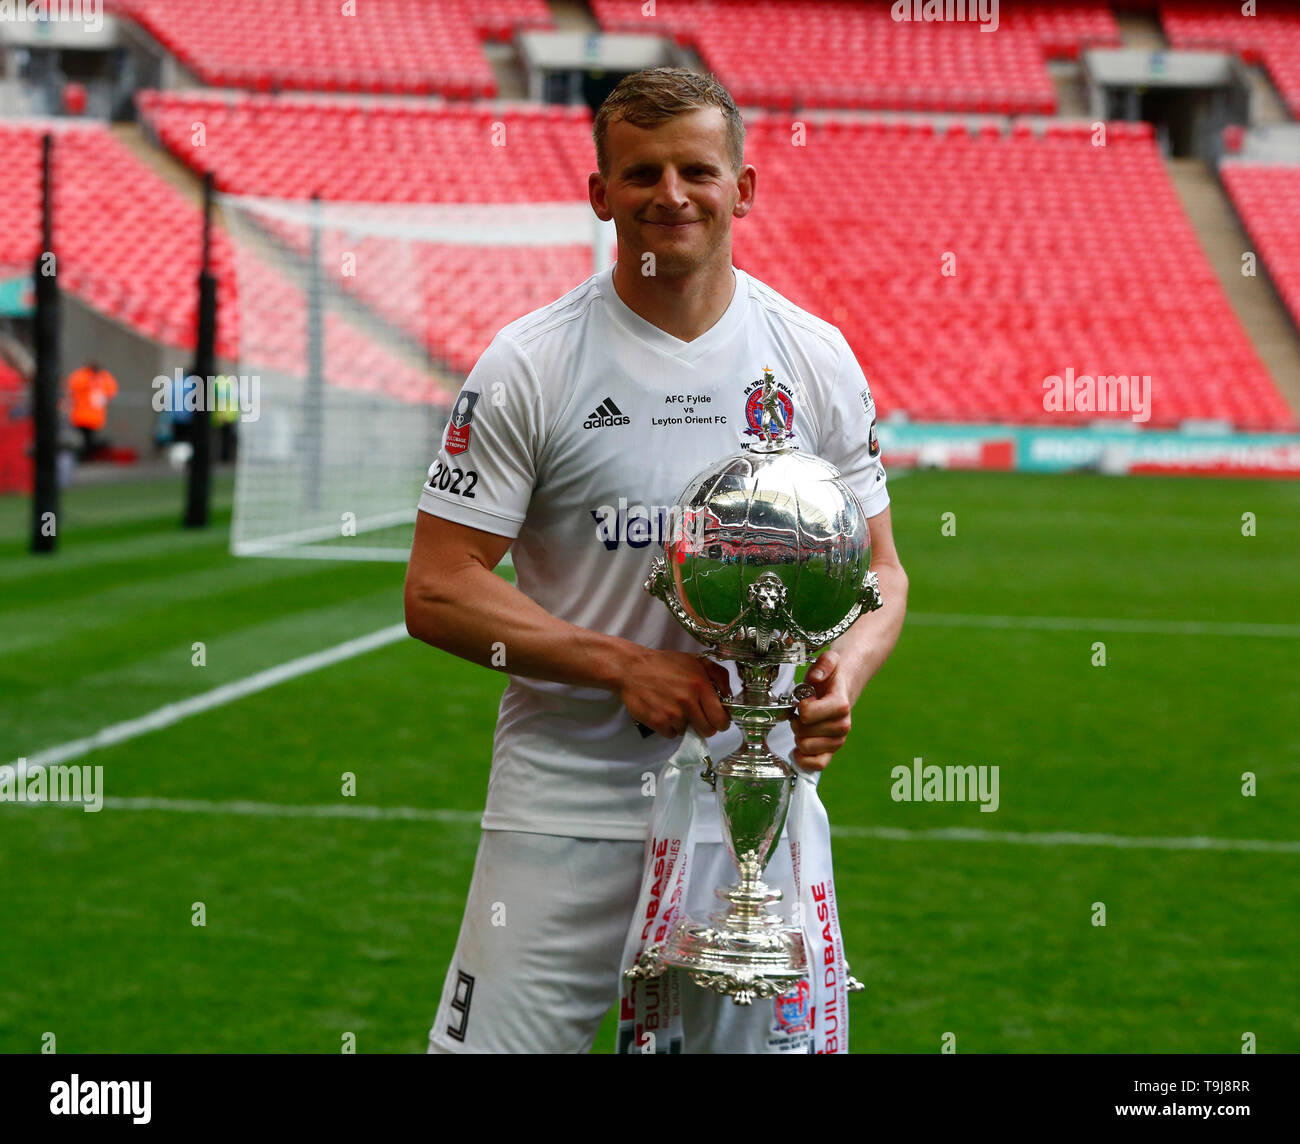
(855, 55)
(129, 247)
(1271, 36)
(408, 46)
(1043, 230)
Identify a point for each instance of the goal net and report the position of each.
(356, 326)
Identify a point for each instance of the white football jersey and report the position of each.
(574, 434)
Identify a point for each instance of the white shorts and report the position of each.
(536, 966)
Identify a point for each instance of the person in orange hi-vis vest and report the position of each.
(90, 389)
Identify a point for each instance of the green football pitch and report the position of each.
(1162, 786)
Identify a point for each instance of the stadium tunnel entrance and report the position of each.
(576, 87)
(597, 85)
(573, 68)
(1189, 97)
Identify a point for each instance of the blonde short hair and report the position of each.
(654, 96)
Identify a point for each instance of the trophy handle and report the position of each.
(660, 585)
(869, 599)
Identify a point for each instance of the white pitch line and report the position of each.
(282, 810)
(1066, 838)
(883, 833)
(227, 693)
(262, 680)
(174, 712)
(1083, 624)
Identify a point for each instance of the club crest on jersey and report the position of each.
(754, 407)
(793, 1011)
(462, 413)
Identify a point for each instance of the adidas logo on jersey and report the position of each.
(604, 415)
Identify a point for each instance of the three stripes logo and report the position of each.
(605, 415)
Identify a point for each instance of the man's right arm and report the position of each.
(456, 602)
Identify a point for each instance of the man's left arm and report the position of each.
(844, 669)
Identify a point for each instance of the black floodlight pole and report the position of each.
(199, 492)
(45, 381)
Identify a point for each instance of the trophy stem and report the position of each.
(753, 783)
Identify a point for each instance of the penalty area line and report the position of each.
(282, 810)
(1066, 838)
(217, 697)
(880, 833)
(1082, 624)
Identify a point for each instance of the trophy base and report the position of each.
(738, 963)
(743, 953)
(706, 954)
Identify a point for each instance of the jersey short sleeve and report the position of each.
(484, 472)
(849, 439)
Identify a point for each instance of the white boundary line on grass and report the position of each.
(283, 810)
(881, 833)
(227, 693)
(1066, 838)
(262, 680)
(175, 712)
(1084, 624)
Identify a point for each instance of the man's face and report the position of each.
(672, 192)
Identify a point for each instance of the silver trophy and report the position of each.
(770, 564)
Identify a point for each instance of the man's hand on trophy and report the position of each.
(669, 691)
(822, 724)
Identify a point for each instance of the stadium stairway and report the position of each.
(1141, 31)
(1256, 303)
(162, 163)
(506, 71)
(573, 16)
(1266, 106)
(1071, 96)
(190, 186)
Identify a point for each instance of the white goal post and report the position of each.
(359, 323)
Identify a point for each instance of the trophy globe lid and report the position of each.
(768, 511)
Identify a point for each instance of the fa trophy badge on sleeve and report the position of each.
(769, 565)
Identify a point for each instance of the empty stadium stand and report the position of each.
(1067, 255)
(399, 152)
(1267, 200)
(1270, 37)
(414, 46)
(964, 264)
(129, 246)
(15, 432)
(855, 55)
(402, 153)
